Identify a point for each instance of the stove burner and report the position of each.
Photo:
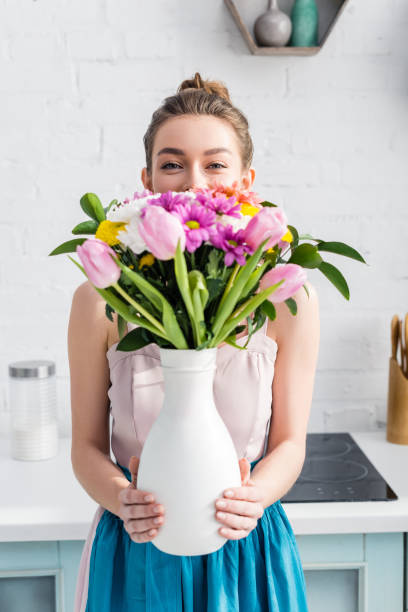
(317, 470)
(336, 469)
(329, 447)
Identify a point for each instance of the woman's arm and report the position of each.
(298, 339)
(90, 380)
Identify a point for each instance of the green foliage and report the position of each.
(306, 255)
(341, 249)
(194, 300)
(67, 247)
(108, 311)
(91, 205)
(86, 227)
(336, 278)
(269, 204)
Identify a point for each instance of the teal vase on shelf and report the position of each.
(305, 21)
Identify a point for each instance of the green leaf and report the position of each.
(197, 284)
(292, 305)
(214, 286)
(91, 205)
(341, 249)
(86, 227)
(108, 312)
(121, 307)
(122, 326)
(335, 276)
(253, 279)
(295, 235)
(308, 237)
(169, 320)
(306, 255)
(250, 306)
(227, 305)
(266, 203)
(134, 340)
(199, 296)
(107, 208)
(143, 285)
(232, 341)
(68, 247)
(213, 263)
(180, 271)
(269, 309)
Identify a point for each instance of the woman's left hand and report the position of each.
(243, 509)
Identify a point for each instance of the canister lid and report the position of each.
(35, 368)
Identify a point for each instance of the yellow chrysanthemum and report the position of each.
(249, 209)
(146, 260)
(108, 231)
(288, 237)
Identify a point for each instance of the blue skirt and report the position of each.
(261, 572)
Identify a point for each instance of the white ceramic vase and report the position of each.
(188, 458)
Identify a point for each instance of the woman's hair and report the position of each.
(200, 97)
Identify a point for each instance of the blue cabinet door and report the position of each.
(31, 577)
(353, 572)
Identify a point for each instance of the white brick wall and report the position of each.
(79, 82)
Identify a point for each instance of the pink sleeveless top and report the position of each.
(242, 394)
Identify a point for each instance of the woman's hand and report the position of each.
(242, 510)
(139, 515)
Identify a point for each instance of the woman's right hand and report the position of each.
(138, 513)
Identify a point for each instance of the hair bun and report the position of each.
(211, 87)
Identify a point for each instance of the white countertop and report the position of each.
(42, 500)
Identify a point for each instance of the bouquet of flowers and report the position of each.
(189, 267)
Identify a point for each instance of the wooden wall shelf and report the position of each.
(330, 20)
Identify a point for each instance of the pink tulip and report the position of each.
(270, 222)
(161, 231)
(295, 276)
(99, 266)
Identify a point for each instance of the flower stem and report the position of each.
(229, 284)
(140, 309)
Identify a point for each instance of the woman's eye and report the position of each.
(218, 164)
(169, 164)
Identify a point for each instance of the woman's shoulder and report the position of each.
(307, 312)
(90, 307)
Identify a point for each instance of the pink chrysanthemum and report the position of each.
(220, 204)
(170, 199)
(232, 242)
(197, 222)
(138, 194)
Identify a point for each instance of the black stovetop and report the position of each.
(336, 469)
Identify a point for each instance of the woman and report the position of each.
(195, 138)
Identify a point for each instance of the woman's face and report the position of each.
(193, 151)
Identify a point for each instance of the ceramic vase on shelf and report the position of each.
(305, 21)
(273, 28)
(188, 458)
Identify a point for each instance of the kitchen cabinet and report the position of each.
(354, 572)
(352, 552)
(344, 573)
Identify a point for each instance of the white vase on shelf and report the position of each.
(273, 28)
(188, 458)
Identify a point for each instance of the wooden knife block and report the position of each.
(397, 407)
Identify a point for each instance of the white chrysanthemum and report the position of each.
(236, 223)
(131, 237)
(125, 212)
